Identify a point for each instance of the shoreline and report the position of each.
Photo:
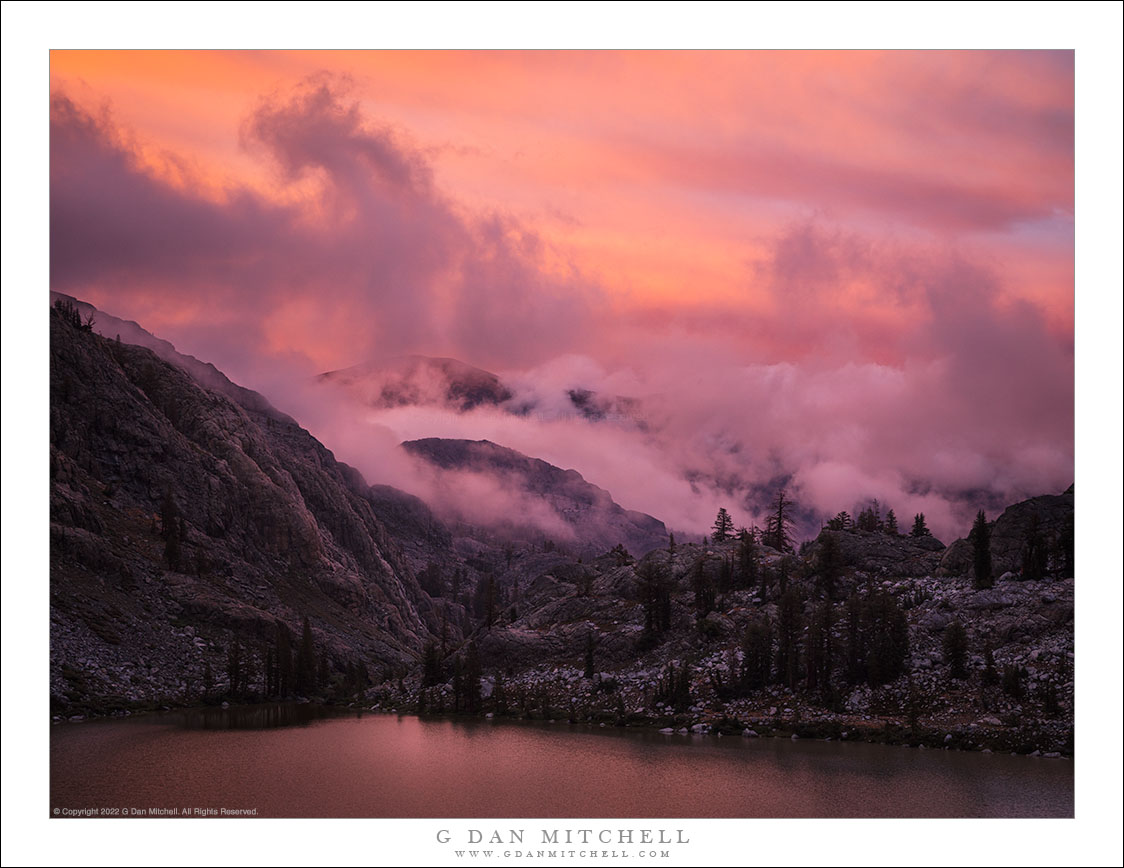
(888, 731)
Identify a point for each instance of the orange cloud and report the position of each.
(661, 172)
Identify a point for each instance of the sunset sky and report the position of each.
(704, 189)
(849, 269)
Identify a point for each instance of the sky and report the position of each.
(846, 272)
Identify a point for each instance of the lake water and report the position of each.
(300, 761)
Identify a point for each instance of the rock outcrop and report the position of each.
(1010, 532)
(883, 554)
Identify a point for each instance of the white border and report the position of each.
(1093, 29)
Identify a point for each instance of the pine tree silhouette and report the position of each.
(980, 537)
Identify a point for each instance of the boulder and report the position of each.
(991, 598)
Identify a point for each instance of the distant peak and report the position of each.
(421, 380)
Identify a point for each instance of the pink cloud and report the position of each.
(376, 241)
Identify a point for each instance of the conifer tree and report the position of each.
(747, 574)
(856, 646)
(1035, 554)
(703, 589)
(726, 575)
(284, 655)
(829, 565)
(431, 665)
(234, 668)
(779, 525)
(1050, 705)
(499, 694)
(782, 576)
(954, 647)
(270, 673)
(674, 688)
(458, 683)
(980, 537)
(869, 519)
(825, 621)
(431, 580)
(757, 653)
(67, 312)
(919, 528)
(655, 597)
(484, 600)
(472, 675)
(891, 526)
(813, 655)
(790, 616)
(1063, 550)
(886, 636)
(306, 662)
(249, 671)
(1014, 678)
(723, 526)
(990, 673)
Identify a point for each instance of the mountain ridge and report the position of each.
(446, 382)
(206, 374)
(598, 522)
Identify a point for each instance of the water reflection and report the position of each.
(307, 761)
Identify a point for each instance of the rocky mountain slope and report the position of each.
(185, 519)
